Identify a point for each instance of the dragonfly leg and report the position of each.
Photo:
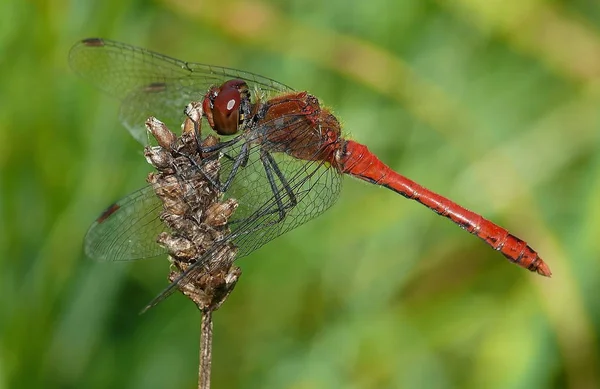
(199, 168)
(219, 146)
(270, 163)
(271, 179)
(278, 204)
(240, 161)
(272, 170)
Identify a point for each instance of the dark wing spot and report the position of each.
(109, 211)
(93, 42)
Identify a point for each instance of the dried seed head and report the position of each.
(218, 213)
(161, 133)
(179, 247)
(193, 113)
(158, 157)
(187, 183)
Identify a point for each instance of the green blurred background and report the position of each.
(493, 103)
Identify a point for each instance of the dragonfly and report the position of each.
(284, 155)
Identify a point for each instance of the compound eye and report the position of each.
(226, 111)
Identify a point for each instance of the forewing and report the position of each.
(128, 229)
(152, 84)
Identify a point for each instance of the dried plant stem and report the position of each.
(204, 366)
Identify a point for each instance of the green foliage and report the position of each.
(494, 104)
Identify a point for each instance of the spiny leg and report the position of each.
(284, 182)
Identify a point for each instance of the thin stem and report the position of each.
(204, 366)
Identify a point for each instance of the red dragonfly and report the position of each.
(285, 154)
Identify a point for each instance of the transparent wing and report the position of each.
(127, 229)
(314, 187)
(152, 84)
(274, 194)
(279, 193)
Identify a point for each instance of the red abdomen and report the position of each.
(355, 159)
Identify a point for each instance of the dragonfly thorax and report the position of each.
(227, 107)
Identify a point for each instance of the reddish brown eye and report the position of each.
(227, 106)
(226, 111)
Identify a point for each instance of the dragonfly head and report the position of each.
(227, 107)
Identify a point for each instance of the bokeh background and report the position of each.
(495, 104)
